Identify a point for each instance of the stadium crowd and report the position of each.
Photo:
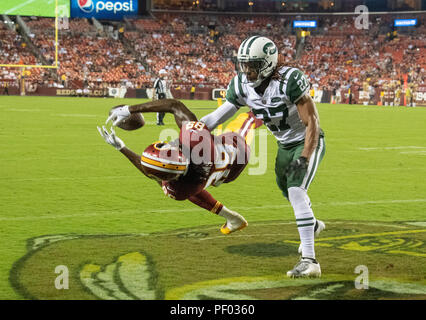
(200, 50)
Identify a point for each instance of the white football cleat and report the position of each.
(237, 222)
(320, 227)
(305, 268)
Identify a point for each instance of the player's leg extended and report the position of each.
(307, 225)
(234, 221)
(244, 124)
(295, 191)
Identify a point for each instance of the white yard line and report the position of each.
(195, 209)
(72, 178)
(23, 110)
(392, 148)
(76, 115)
(100, 158)
(420, 152)
(11, 10)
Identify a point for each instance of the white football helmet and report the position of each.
(258, 54)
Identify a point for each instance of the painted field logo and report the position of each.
(127, 278)
(141, 266)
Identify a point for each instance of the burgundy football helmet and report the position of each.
(164, 162)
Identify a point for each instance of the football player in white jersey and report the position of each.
(279, 95)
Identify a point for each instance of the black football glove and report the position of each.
(297, 168)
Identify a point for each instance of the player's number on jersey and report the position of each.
(302, 83)
(270, 117)
(195, 125)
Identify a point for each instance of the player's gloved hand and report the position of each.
(111, 138)
(118, 115)
(297, 167)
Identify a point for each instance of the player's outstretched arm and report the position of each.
(134, 158)
(220, 115)
(112, 139)
(173, 106)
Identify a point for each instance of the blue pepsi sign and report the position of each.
(104, 9)
(405, 22)
(304, 24)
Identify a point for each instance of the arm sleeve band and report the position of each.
(220, 115)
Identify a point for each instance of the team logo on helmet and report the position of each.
(269, 48)
(86, 5)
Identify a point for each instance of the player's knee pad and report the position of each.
(299, 200)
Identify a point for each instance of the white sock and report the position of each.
(230, 215)
(305, 220)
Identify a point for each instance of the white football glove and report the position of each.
(118, 115)
(111, 138)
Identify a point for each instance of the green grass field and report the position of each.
(68, 198)
(42, 8)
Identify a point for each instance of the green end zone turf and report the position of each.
(59, 178)
(201, 263)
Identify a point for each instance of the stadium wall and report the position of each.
(200, 94)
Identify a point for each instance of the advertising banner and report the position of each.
(104, 9)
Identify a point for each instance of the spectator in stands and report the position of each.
(191, 48)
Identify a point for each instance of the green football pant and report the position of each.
(286, 154)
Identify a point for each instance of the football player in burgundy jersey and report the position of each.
(184, 168)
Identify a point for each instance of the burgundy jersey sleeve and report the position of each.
(197, 142)
(182, 189)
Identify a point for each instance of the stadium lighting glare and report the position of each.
(250, 3)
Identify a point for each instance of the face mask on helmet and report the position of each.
(163, 161)
(257, 58)
(253, 71)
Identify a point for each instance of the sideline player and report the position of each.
(186, 167)
(279, 96)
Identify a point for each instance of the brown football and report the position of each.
(135, 121)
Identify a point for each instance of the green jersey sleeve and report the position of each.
(235, 93)
(297, 86)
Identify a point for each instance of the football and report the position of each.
(135, 121)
